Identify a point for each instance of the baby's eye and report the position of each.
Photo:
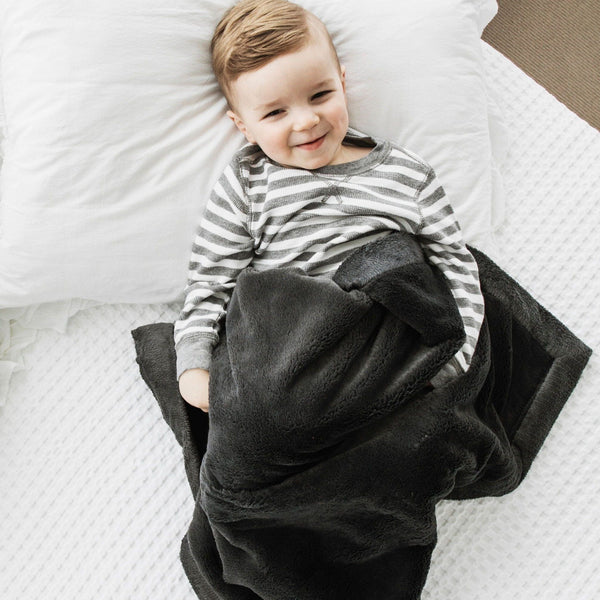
(273, 113)
(322, 94)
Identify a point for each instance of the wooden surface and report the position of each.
(557, 43)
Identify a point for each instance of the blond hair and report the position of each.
(254, 32)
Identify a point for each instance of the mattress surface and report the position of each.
(94, 498)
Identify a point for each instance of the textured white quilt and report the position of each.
(94, 499)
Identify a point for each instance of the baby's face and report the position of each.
(294, 107)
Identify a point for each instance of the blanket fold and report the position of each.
(327, 450)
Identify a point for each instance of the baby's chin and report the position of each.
(308, 165)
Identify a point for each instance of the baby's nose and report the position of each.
(305, 119)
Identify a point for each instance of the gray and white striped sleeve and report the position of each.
(223, 247)
(443, 244)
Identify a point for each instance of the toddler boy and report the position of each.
(306, 190)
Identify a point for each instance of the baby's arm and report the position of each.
(223, 247)
(442, 243)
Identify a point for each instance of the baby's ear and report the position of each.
(241, 126)
(343, 77)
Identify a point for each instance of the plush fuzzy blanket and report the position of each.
(327, 449)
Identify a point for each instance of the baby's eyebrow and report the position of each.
(268, 105)
(325, 83)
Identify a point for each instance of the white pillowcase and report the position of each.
(115, 129)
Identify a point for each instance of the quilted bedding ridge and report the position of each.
(327, 450)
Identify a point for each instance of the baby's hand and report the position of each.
(193, 386)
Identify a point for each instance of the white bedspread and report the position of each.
(94, 499)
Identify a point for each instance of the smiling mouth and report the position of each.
(312, 145)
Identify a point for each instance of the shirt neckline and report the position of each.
(379, 150)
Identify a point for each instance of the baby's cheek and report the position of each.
(342, 117)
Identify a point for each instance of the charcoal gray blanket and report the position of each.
(327, 449)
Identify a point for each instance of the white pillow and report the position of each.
(115, 129)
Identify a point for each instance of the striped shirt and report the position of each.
(263, 214)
